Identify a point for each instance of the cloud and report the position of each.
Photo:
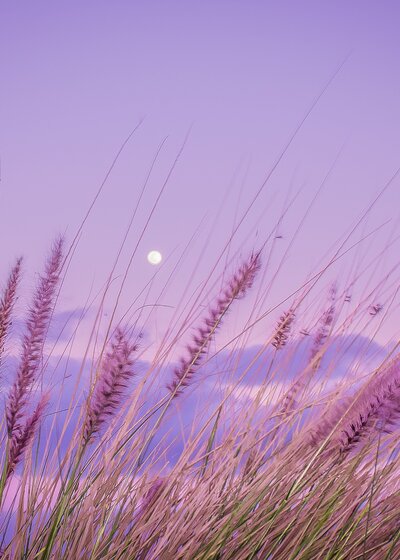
(239, 374)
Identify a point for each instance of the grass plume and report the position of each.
(7, 303)
(115, 373)
(235, 288)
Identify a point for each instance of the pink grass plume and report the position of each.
(22, 437)
(351, 420)
(283, 328)
(236, 288)
(7, 303)
(32, 343)
(115, 373)
(377, 407)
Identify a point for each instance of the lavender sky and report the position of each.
(77, 77)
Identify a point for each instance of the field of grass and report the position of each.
(305, 469)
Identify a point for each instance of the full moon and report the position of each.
(154, 257)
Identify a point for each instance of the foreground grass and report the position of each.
(298, 473)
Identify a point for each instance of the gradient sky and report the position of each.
(76, 78)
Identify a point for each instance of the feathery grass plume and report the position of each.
(282, 330)
(377, 406)
(236, 288)
(327, 420)
(32, 343)
(115, 373)
(324, 329)
(23, 436)
(7, 303)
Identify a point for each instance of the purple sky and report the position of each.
(76, 77)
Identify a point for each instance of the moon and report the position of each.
(154, 257)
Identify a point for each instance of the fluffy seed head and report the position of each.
(7, 303)
(375, 407)
(236, 288)
(282, 330)
(23, 435)
(32, 343)
(115, 373)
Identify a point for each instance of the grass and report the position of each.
(304, 466)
